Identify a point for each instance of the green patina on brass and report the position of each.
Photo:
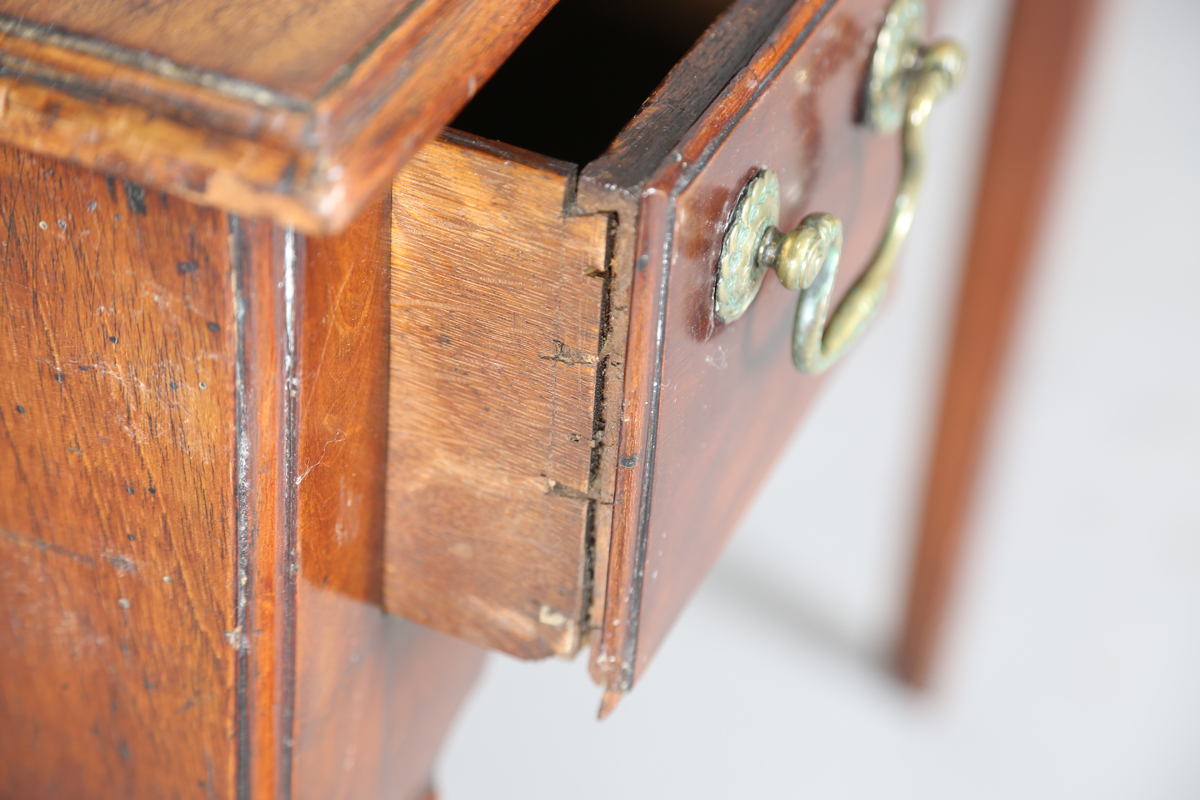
(897, 51)
(905, 81)
(740, 271)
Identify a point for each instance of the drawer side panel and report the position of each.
(495, 341)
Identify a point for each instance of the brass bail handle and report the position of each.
(906, 80)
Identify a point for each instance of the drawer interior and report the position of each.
(584, 72)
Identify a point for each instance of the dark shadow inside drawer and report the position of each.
(584, 72)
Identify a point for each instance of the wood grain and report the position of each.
(1046, 42)
(374, 694)
(296, 111)
(496, 347)
(707, 410)
(192, 423)
(258, 43)
(118, 525)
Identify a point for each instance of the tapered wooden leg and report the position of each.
(1045, 45)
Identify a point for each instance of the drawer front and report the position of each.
(709, 406)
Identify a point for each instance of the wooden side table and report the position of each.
(285, 366)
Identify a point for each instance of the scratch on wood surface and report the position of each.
(565, 354)
(42, 546)
(556, 489)
(123, 564)
(339, 437)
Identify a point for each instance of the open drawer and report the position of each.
(574, 431)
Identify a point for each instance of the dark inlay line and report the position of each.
(241, 578)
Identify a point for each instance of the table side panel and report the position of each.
(117, 506)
